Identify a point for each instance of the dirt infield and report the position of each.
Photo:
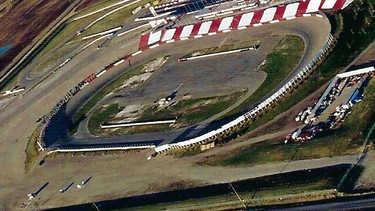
(24, 21)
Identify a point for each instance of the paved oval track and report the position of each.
(308, 30)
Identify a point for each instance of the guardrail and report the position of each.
(103, 148)
(228, 128)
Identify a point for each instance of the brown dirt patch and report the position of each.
(176, 185)
(23, 22)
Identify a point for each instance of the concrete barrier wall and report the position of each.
(266, 104)
(108, 148)
(131, 124)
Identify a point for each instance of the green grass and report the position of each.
(144, 129)
(114, 20)
(62, 44)
(31, 151)
(231, 202)
(255, 154)
(104, 113)
(98, 6)
(180, 153)
(278, 65)
(52, 60)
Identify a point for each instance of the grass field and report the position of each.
(60, 46)
(109, 87)
(98, 6)
(31, 151)
(114, 20)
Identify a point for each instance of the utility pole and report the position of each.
(97, 208)
(238, 196)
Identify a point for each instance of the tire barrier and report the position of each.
(242, 120)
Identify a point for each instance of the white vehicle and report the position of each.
(63, 190)
(83, 183)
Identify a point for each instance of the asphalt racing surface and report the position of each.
(57, 134)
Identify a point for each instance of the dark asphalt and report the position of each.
(340, 204)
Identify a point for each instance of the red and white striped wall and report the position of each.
(241, 21)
